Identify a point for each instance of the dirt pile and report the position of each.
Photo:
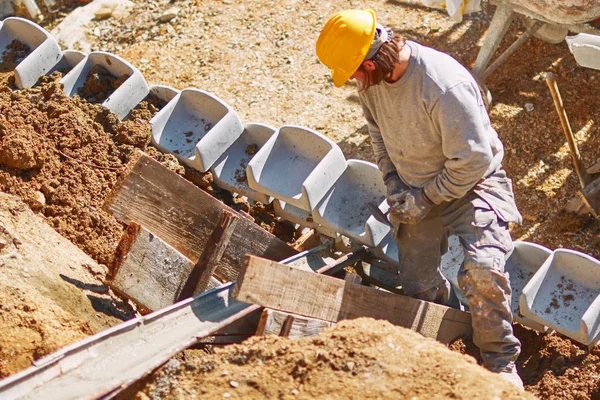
(62, 156)
(358, 359)
(51, 293)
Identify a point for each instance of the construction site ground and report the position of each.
(62, 156)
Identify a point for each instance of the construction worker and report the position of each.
(440, 159)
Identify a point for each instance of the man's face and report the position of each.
(364, 71)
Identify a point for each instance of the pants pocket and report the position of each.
(490, 229)
(498, 194)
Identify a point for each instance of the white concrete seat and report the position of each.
(564, 294)
(44, 51)
(525, 260)
(124, 98)
(387, 249)
(197, 127)
(163, 92)
(343, 208)
(297, 216)
(586, 49)
(68, 60)
(229, 171)
(296, 165)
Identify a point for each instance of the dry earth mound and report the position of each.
(358, 359)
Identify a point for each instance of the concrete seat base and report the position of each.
(197, 127)
(124, 98)
(229, 171)
(564, 294)
(44, 51)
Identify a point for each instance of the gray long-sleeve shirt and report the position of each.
(431, 126)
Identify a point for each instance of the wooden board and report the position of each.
(184, 216)
(149, 271)
(278, 286)
(271, 322)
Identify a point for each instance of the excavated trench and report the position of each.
(63, 155)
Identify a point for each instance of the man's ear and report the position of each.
(369, 65)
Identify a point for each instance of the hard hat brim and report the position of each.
(339, 78)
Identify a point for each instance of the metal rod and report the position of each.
(583, 176)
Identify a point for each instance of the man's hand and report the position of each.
(409, 207)
(394, 185)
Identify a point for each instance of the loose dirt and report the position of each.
(358, 359)
(62, 156)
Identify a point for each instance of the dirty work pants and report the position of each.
(486, 241)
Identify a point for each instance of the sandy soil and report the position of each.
(357, 359)
(62, 157)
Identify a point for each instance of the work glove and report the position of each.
(394, 185)
(409, 207)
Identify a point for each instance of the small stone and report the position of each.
(295, 392)
(227, 395)
(169, 14)
(233, 384)
(38, 201)
(103, 13)
(529, 107)
(559, 363)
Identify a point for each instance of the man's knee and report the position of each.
(483, 274)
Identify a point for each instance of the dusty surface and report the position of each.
(51, 293)
(358, 359)
(62, 157)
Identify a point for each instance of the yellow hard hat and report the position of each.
(344, 42)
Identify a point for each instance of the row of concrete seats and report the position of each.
(302, 171)
(308, 180)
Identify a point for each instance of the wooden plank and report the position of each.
(184, 216)
(307, 241)
(346, 260)
(114, 359)
(272, 321)
(148, 271)
(278, 286)
(199, 279)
